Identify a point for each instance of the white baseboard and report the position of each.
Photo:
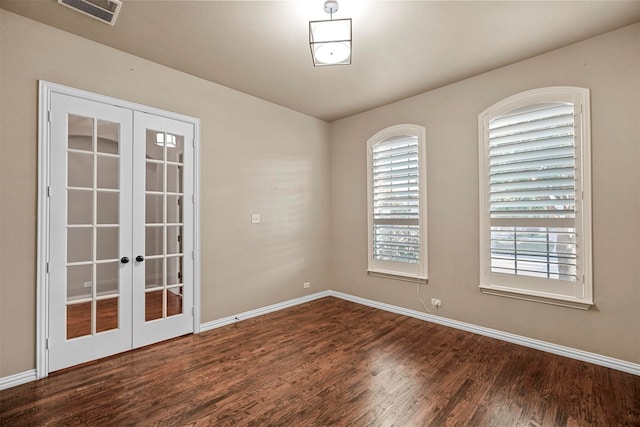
(229, 320)
(17, 379)
(585, 356)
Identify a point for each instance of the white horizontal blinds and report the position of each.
(532, 163)
(532, 190)
(396, 210)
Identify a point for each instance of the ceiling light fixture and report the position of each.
(330, 41)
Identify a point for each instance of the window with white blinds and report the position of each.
(532, 175)
(534, 169)
(397, 196)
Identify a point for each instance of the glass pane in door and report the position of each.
(107, 243)
(163, 224)
(154, 241)
(174, 240)
(155, 176)
(175, 151)
(174, 301)
(80, 172)
(108, 137)
(174, 270)
(92, 226)
(153, 303)
(79, 244)
(106, 278)
(174, 209)
(79, 281)
(108, 207)
(79, 207)
(154, 205)
(174, 179)
(106, 314)
(78, 319)
(107, 172)
(80, 133)
(154, 273)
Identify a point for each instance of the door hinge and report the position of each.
(46, 344)
(193, 143)
(48, 191)
(193, 198)
(193, 254)
(49, 116)
(47, 268)
(193, 311)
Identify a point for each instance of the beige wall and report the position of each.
(609, 65)
(255, 157)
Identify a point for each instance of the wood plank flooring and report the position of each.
(329, 362)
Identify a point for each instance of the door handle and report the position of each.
(124, 260)
(139, 258)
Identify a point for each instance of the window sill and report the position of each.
(398, 276)
(581, 304)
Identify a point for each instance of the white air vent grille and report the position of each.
(104, 10)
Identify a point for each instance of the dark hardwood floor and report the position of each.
(329, 362)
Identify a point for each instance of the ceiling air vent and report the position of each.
(104, 10)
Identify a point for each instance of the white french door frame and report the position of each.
(46, 89)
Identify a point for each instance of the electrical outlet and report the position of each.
(87, 284)
(436, 302)
(306, 285)
(255, 218)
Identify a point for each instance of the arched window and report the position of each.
(397, 199)
(535, 233)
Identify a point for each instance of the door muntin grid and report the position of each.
(92, 226)
(164, 226)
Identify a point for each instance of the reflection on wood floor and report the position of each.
(79, 315)
(329, 363)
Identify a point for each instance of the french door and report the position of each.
(121, 233)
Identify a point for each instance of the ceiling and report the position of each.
(400, 48)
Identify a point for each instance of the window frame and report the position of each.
(577, 294)
(396, 269)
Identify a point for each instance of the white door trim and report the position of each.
(42, 305)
